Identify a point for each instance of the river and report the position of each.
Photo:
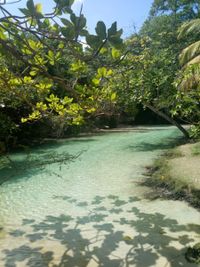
(79, 203)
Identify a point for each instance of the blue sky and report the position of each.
(128, 13)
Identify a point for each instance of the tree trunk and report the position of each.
(169, 119)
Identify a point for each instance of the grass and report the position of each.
(196, 150)
(176, 174)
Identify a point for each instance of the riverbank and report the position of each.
(176, 175)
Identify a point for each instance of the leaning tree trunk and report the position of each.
(169, 119)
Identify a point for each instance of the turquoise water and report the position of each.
(79, 203)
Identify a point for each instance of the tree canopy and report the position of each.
(51, 67)
(53, 72)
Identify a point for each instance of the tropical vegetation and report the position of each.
(56, 78)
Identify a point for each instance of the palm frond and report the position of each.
(192, 26)
(190, 54)
(195, 60)
(190, 78)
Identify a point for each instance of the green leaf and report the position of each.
(93, 41)
(25, 11)
(30, 5)
(46, 23)
(83, 33)
(101, 30)
(64, 6)
(96, 81)
(51, 54)
(61, 46)
(112, 30)
(103, 50)
(116, 41)
(66, 22)
(67, 10)
(2, 34)
(113, 97)
(33, 72)
(68, 32)
(119, 33)
(114, 36)
(102, 72)
(67, 100)
(82, 22)
(109, 73)
(78, 66)
(79, 22)
(91, 110)
(73, 18)
(51, 57)
(38, 8)
(115, 53)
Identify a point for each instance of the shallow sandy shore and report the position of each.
(186, 167)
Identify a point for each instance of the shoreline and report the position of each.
(167, 180)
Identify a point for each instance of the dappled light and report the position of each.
(112, 232)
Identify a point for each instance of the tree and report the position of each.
(144, 77)
(51, 67)
(191, 54)
(161, 27)
(179, 9)
(188, 80)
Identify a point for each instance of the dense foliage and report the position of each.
(55, 75)
(154, 73)
(188, 80)
(51, 69)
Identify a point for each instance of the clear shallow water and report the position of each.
(91, 211)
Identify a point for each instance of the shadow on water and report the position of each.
(29, 164)
(99, 237)
(40, 147)
(32, 160)
(168, 143)
(153, 237)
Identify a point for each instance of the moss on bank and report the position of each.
(176, 174)
(193, 254)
